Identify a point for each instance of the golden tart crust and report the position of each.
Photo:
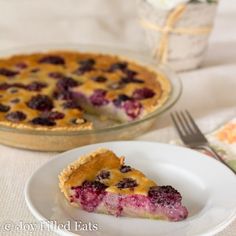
(32, 68)
(87, 167)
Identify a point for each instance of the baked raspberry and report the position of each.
(4, 108)
(36, 86)
(87, 63)
(16, 116)
(56, 75)
(127, 183)
(85, 66)
(6, 86)
(54, 60)
(53, 115)
(125, 169)
(104, 174)
(40, 102)
(130, 73)
(118, 66)
(132, 108)
(164, 195)
(66, 83)
(90, 194)
(98, 98)
(99, 79)
(7, 72)
(43, 121)
(127, 80)
(63, 88)
(143, 93)
(120, 99)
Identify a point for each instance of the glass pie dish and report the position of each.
(55, 140)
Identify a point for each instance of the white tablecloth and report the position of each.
(209, 93)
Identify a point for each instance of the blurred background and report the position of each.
(115, 22)
(97, 21)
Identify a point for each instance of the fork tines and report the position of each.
(186, 126)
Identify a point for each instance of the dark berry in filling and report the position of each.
(85, 66)
(127, 183)
(16, 116)
(104, 174)
(120, 99)
(118, 66)
(130, 73)
(55, 60)
(36, 86)
(7, 72)
(87, 62)
(127, 80)
(99, 79)
(18, 85)
(164, 195)
(90, 194)
(43, 121)
(4, 108)
(125, 169)
(98, 97)
(143, 93)
(56, 75)
(132, 108)
(63, 86)
(66, 83)
(94, 184)
(5, 86)
(41, 103)
(53, 115)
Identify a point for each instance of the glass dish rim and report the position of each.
(138, 57)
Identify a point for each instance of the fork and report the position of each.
(192, 136)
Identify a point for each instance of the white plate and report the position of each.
(208, 189)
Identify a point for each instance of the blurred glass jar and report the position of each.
(178, 34)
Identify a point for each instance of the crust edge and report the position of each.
(66, 172)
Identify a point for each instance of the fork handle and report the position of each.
(210, 148)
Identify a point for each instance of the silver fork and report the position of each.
(192, 136)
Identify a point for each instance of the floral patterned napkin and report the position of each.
(224, 141)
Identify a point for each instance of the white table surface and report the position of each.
(209, 93)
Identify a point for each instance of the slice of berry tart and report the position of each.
(101, 182)
(55, 90)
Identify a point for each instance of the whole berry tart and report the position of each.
(101, 182)
(54, 90)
